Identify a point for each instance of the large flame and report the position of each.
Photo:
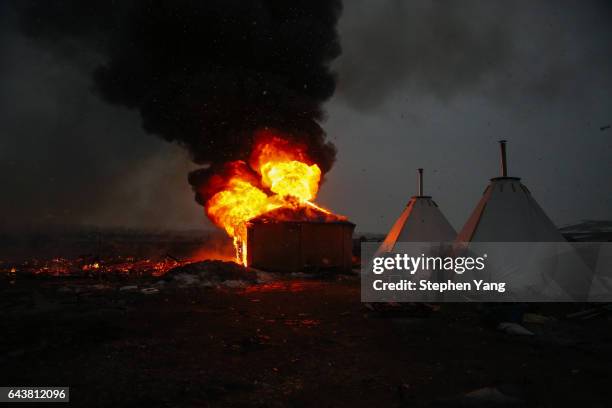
(279, 175)
(292, 178)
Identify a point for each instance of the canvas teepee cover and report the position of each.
(507, 212)
(421, 221)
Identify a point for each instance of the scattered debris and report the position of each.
(149, 291)
(64, 289)
(588, 231)
(491, 396)
(502, 396)
(185, 279)
(589, 313)
(395, 309)
(175, 259)
(537, 318)
(514, 329)
(235, 284)
(211, 274)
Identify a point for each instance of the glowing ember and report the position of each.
(81, 267)
(89, 267)
(279, 175)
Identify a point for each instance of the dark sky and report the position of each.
(420, 84)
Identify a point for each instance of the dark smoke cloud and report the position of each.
(204, 74)
(441, 48)
(64, 153)
(503, 50)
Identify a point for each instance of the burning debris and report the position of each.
(81, 267)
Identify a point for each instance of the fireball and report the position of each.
(280, 176)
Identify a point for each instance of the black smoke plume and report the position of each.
(204, 74)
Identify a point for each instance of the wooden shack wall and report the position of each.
(303, 246)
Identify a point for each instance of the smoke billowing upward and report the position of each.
(439, 48)
(501, 50)
(205, 74)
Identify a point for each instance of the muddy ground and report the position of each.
(288, 342)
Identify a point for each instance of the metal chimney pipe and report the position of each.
(504, 165)
(420, 182)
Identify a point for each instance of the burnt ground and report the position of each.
(289, 342)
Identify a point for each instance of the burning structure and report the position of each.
(266, 206)
(307, 239)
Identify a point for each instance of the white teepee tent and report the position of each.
(421, 221)
(508, 213)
